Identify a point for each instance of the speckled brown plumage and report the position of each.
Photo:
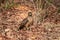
(27, 21)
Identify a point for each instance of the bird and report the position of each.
(27, 21)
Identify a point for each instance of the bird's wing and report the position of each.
(23, 23)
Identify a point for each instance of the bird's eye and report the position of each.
(29, 13)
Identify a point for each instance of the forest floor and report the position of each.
(10, 21)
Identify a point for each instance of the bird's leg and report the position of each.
(27, 26)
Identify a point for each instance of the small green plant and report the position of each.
(8, 5)
(49, 1)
